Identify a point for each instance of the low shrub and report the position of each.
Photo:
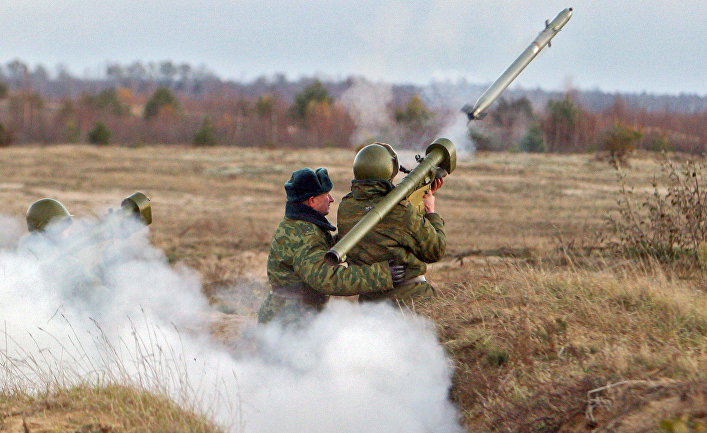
(100, 134)
(533, 140)
(619, 142)
(670, 224)
(206, 135)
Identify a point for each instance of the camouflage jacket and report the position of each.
(296, 260)
(404, 235)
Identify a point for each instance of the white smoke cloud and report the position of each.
(457, 130)
(353, 369)
(10, 231)
(447, 96)
(367, 102)
(104, 304)
(67, 285)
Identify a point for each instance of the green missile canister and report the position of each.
(478, 111)
(441, 154)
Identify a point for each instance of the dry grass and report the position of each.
(211, 202)
(99, 409)
(522, 335)
(533, 312)
(147, 389)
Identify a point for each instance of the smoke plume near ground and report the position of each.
(103, 305)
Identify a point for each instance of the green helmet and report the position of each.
(44, 211)
(376, 161)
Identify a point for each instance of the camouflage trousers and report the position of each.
(286, 310)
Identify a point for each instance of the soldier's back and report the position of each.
(395, 237)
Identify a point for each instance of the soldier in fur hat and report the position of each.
(301, 282)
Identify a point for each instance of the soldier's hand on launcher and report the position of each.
(429, 201)
(436, 184)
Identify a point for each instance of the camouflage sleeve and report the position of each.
(426, 235)
(337, 280)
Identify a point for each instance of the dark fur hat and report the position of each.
(306, 183)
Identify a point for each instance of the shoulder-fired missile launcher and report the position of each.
(440, 157)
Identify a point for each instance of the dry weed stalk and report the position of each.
(670, 226)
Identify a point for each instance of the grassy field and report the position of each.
(547, 330)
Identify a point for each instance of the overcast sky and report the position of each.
(618, 45)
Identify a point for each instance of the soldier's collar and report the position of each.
(369, 188)
(302, 212)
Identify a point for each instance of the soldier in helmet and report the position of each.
(47, 211)
(78, 259)
(301, 281)
(405, 234)
(48, 222)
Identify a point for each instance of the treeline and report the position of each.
(175, 103)
(200, 82)
(117, 115)
(565, 126)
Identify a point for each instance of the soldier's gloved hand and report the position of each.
(397, 272)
